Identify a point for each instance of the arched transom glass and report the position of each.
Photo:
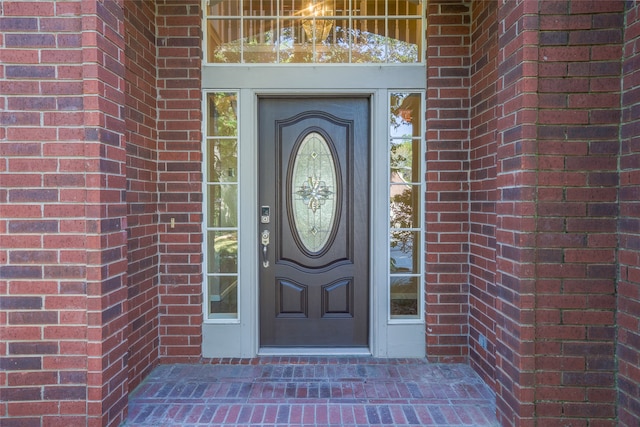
(314, 31)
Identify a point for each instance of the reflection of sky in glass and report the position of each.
(400, 129)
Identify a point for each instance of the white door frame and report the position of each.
(240, 338)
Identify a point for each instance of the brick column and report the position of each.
(63, 256)
(558, 97)
(578, 145)
(43, 257)
(105, 211)
(180, 178)
(516, 182)
(628, 316)
(447, 199)
(142, 188)
(482, 181)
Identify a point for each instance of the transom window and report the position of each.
(314, 31)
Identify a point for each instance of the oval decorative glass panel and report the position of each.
(313, 192)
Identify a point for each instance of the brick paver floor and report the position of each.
(312, 391)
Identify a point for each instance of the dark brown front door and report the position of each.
(314, 199)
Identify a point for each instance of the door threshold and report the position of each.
(311, 351)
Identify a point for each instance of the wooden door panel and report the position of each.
(314, 161)
(337, 298)
(291, 299)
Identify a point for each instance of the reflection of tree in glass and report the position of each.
(225, 249)
(401, 158)
(398, 111)
(224, 114)
(401, 167)
(367, 47)
(223, 159)
(225, 155)
(402, 217)
(223, 205)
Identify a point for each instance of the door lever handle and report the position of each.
(265, 244)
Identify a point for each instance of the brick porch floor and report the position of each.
(312, 391)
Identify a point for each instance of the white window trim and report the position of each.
(388, 337)
(205, 204)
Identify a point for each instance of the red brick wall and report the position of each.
(482, 182)
(447, 202)
(43, 290)
(62, 262)
(577, 207)
(180, 178)
(515, 222)
(142, 191)
(628, 316)
(105, 204)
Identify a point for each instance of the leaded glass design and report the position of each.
(313, 192)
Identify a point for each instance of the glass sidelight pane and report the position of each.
(223, 252)
(406, 115)
(221, 208)
(405, 297)
(404, 206)
(222, 161)
(223, 205)
(222, 111)
(223, 295)
(404, 251)
(403, 157)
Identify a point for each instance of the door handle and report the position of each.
(265, 244)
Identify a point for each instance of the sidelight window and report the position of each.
(221, 199)
(314, 31)
(405, 204)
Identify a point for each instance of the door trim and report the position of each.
(385, 340)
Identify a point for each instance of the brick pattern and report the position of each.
(447, 162)
(515, 209)
(62, 263)
(578, 145)
(533, 184)
(142, 191)
(43, 220)
(180, 178)
(106, 236)
(482, 188)
(313, 392)
(628, 316)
